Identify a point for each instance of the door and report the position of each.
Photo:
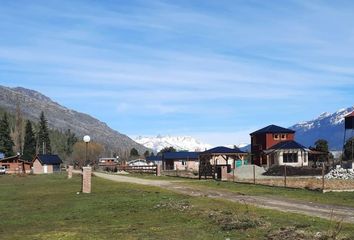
(45, 169)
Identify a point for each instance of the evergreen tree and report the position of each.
(134, 152)
(29, 147)
(146, 153)
(321, 145)
(18, 131)
(43, 136)
(165, 150)
(6, 143)
(71, 139)
(349, 149)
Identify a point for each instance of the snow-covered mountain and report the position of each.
(179, 143)
(328, 126)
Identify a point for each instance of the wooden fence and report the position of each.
(138, 169)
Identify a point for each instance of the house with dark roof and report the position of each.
(288, 153)
(15, 164)
(191, 161)
(180, 161)
(157, 160)
(46, 163)
(213, 160)
(274, 145)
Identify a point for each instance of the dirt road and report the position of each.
(346, 214)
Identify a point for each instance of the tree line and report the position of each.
(34, 138)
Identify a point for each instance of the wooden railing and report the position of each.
(138, 169)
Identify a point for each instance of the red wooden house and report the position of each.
(263, 139)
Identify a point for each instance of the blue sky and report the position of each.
(215, 70)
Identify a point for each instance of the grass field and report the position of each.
(48, 207)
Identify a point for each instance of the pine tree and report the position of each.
(43, 136)
(134, 152)
(349, 149)
(71, 139)
(18, 132)
(146, 153)
(6, 143)
(29, 147)
(322, 146)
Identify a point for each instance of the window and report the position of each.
(276, 136)
(183, 163)
(289, 157)
(283, 136)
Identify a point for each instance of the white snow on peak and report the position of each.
(338, 117)
(324, 115)
(332, 118)
(180, 143)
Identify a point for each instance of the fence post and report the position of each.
(323, 173)
(86, 179)
(284, 175)
(254, 174)
(70, 171)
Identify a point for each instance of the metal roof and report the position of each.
(154, 158)
(49, 159)
(273, 129)
(287, 145)
(13, 158)
(350, 115)
(180, 155)
(223, 150)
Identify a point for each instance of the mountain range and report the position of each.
(180, 143)
(328, 126)
(59, 117)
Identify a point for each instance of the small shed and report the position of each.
(46, 163)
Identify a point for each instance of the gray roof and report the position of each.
(273, 129)
(287, 145)
(49, 159)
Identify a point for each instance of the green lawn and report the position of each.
(48, 207)
(335, 198)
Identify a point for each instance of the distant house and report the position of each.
(213, 160)
(46, 163)
(108, 161)
(138, 162)
(157, 160)
(109, 164)
(15, 164)
(274, 145)
(180, 161)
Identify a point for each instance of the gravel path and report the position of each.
(345, 214)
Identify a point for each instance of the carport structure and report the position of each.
(211, 161)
